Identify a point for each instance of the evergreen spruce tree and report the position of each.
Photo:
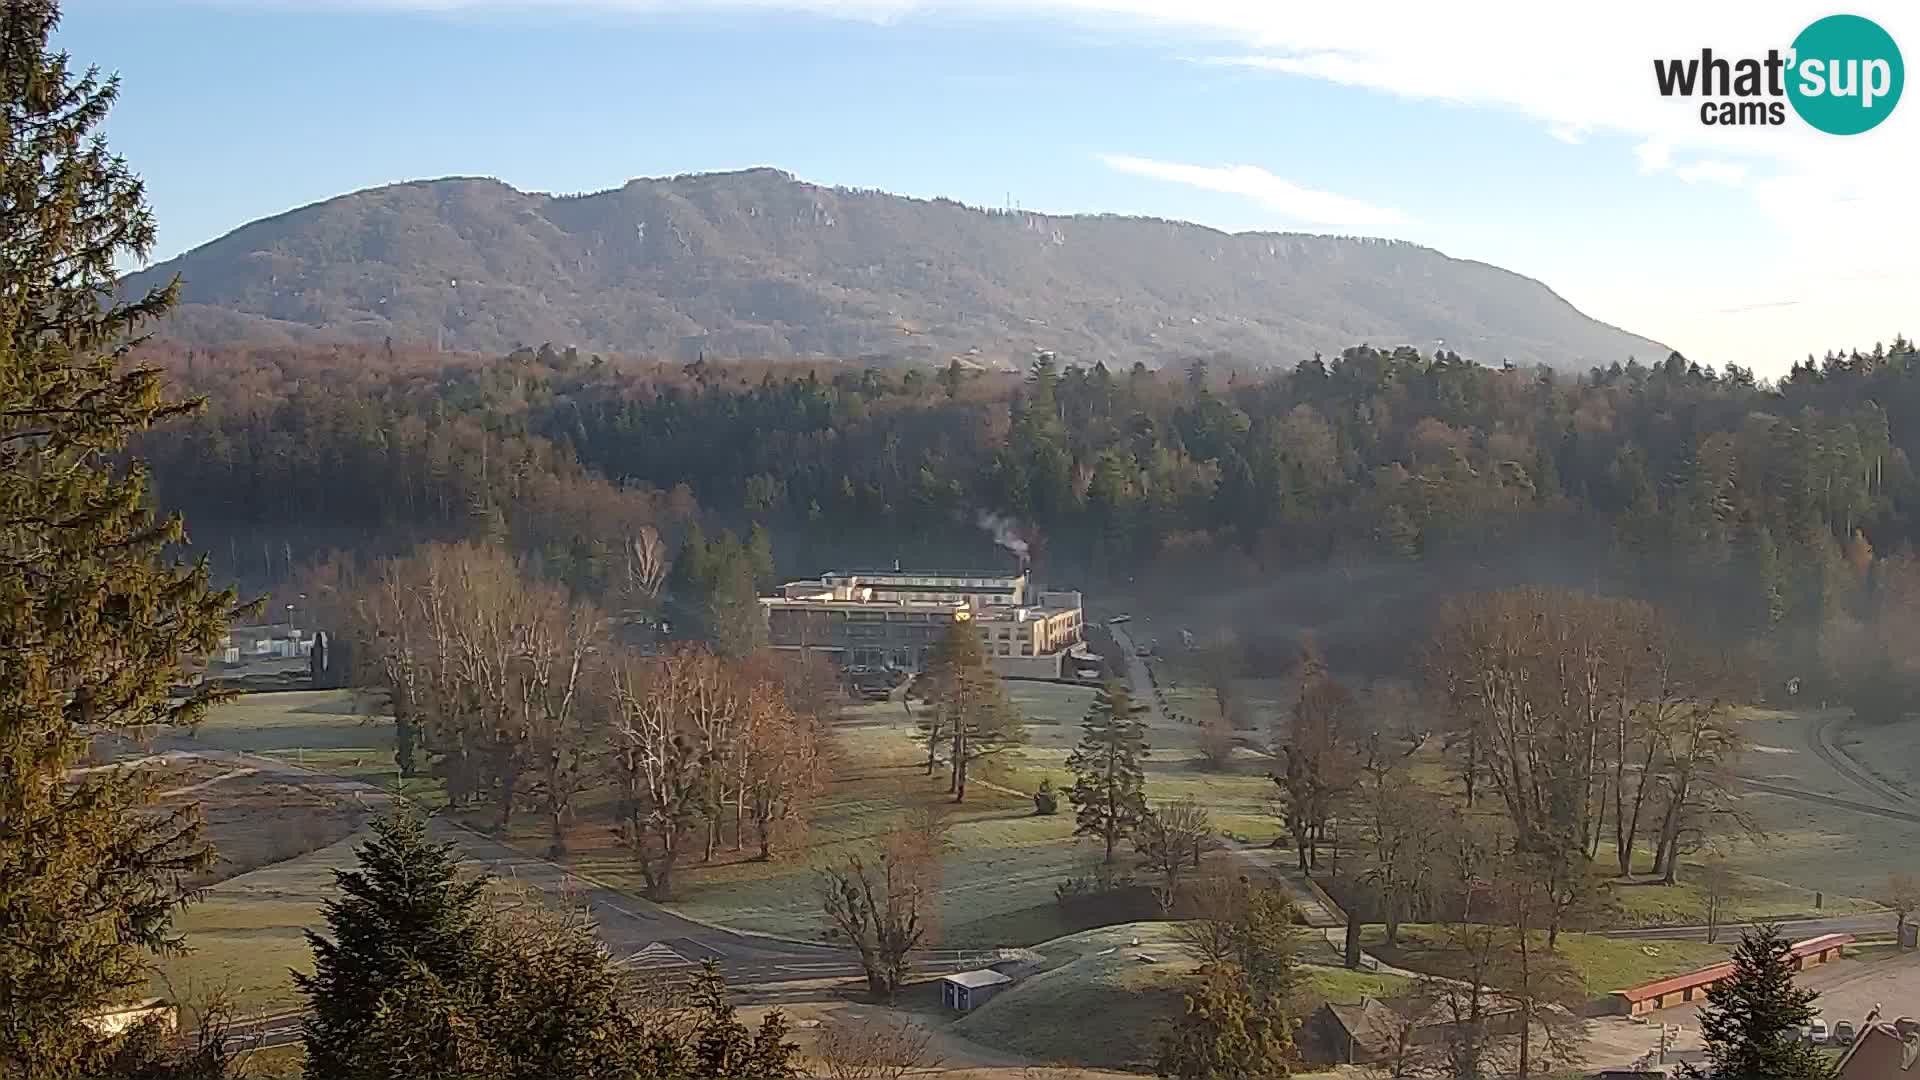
(392, 987)
(1225, 1034)
(95, 615)
(1751, 1022)
(1109, 792)
(723, 1048)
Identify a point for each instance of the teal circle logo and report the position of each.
(1846, 75)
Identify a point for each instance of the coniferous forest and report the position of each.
(1781, 514)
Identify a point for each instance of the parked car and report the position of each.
(1816, 1031)
(1907, 1026)
(1843, 1034)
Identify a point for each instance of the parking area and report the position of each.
(1848, 988)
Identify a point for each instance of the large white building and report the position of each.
(895, 618)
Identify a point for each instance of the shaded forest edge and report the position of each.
(1776, 514)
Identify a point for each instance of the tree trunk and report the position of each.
(740, 818)
(507, 787)
(960, 779)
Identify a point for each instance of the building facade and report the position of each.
(894, 619)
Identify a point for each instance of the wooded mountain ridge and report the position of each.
(756, 264)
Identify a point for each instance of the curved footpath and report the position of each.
(637, 931)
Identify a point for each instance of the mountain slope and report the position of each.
(756, 264)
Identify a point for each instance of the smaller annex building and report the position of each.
(964, 991)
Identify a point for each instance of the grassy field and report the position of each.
(302, 719)
(1889, 751)
(245, 933)
(1808, 845)
(1602, 964)
(1133, 990)
(1002, 862)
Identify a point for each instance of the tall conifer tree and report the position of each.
(95, 616)
(1108, 792)
(1752, 1020)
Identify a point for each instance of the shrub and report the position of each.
(1046, 801)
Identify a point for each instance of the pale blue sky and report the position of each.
(1560, 167)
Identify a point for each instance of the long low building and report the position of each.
(894, 619)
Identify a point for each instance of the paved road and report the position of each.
(1139, 679)
(1794, 929)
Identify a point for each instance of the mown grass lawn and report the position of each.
(1602, 964)
(245, 933)
(1108, 994)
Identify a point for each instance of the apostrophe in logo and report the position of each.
(1843, 75)
(1847, 75)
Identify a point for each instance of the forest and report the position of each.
(1778, 513)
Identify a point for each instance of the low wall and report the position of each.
(1693, 986)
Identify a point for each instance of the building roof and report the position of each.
(1372, 1023)
(1880, 1054)
(982, 977)
(990, 575)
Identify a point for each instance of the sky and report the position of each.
(1525, 134)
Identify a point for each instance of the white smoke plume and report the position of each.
(1005, 532)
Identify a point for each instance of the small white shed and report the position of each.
(967, 990)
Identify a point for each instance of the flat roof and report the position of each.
(866, 605)
(982, 977)
(994, 575)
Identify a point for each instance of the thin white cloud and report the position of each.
(1571, 134)
(1654, 156)
(1729, 173)
(1284, 198)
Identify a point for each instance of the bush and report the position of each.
(1099, 879)
(1046, 801)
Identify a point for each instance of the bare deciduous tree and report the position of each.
(1716, 887)
(1320, 756)
(883, 902)
(656, 765)
(1903, 896)
(647, 566)
(1171, 841)
(874, 1048)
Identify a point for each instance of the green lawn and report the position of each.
(245, 933)
(1344, 987)
(1002, 861)
(303, 719)
(1099, 1004)
(1602, 964)
(1753, 898)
